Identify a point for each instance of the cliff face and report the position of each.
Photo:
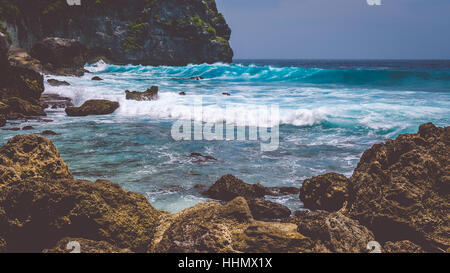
(151, 32)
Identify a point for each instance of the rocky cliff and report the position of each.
(150, 32)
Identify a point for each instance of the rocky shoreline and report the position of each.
(398, 196)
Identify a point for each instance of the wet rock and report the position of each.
(55, 101)
(197, 157)
(266, 210)
(332, 232)
(27, 128)
(182, 93)
(96, 78)
(32, 156)
(86, 246)
(401, 247)
(211, 227)
(37, 213)
(93, 107)
(61, 56)
(200, 186)
(400, 189)
(50, 133)
(12, 129)
(229, 187)
(54, 82)
(325, 192)
(280, 191)
(150, 94)
(226, 94)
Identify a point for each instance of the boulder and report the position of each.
(54, 82)
(266, 210)
(93, 107)
(325, 192)
(400, 189)
(214, 228)
(86, 246)
(150, 94)
(229, 187)
(49, 133)
(36, 213)
(332, 232)
(401, 247)
(96, 78)
(26, 156)
(61, 56)
(17, 107)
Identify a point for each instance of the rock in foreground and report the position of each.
(93, 107)
(37, 213)
(325, 192)
(26, 156)
(400, 189)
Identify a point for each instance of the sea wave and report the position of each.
(434, 80)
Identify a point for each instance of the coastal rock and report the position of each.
(400, 189)
(28, 127)
(211, 227)
(49, 133)
(20, 107)
(36, 213)
(86, 246)
(160, 32)
(55, 101)
(4, 48)
(96, 78)
(2, 120)
(401, 247)
(61, 56)
(325, 192)
(266, 210)
(197, 157)
(332, 232)
(150, 94)
(229, 187)
(93, 107)
(27, 156)
(54, 82)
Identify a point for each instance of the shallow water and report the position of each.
(330, 112)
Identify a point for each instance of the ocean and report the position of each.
(329, 112)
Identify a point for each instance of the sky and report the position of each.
(338, 29)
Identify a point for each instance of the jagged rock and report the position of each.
(325, 192)
(401, 247)
(211, 227)
(332, 232)
(229, 187)
(266, 210)
(31, 156)
(150, 94)
(400, 189)
(36, 213)
(54, 82)
(18, 107)
(96, 78)
(198, 157)
(169, 32)
(86, 246)
(61, 56)
(93, 107)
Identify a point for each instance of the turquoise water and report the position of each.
(330, 112)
